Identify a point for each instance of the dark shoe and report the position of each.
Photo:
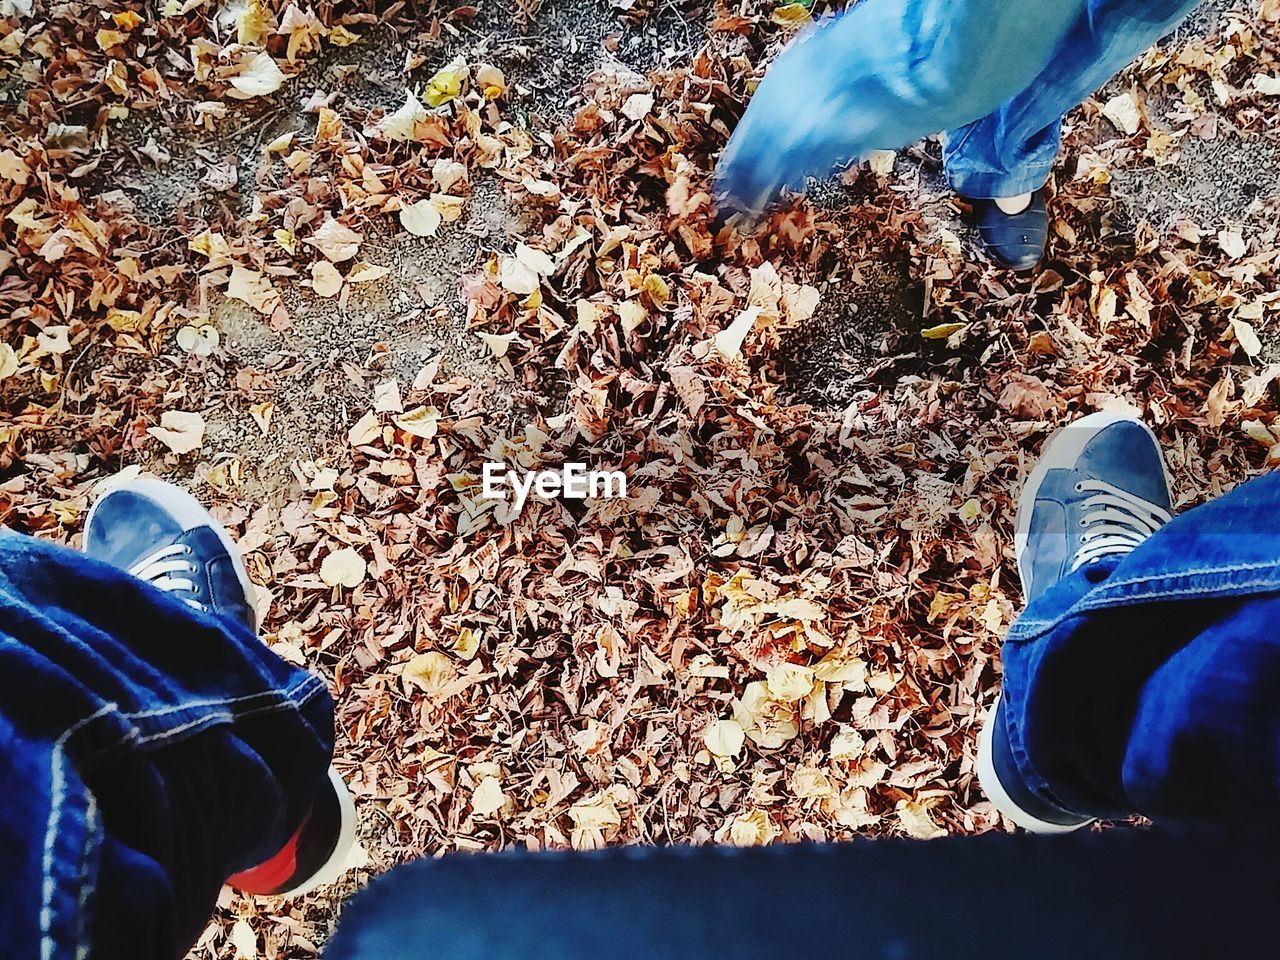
(1099, 490)
(161, 534)
(1013, 240)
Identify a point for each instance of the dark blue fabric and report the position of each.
(147, 751)
(1115, 895)
(1152, 685)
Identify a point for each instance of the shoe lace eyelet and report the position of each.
(1079, 488)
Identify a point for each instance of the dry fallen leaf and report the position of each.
(1122, 110)
(258, 76)
(325, 279)
(180, 432)
(253, 288)
(420, 218)
(343, 568)
(336, 241)
(420, 422)
(430, 672)
(488, 798)
(724, 738)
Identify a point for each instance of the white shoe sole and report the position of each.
(1061, 452)
(996, 792)
(188, 512)
(336, 865)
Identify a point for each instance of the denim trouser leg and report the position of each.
(1153, 686)
(147, 751)
(1012, 150)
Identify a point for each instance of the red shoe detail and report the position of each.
(274, 874)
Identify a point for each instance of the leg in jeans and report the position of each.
(150, 744)
(882, 76)
(1144, 676)
(1011, 150)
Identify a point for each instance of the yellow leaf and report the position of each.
(286, 239)
(343, 567)
(365, 431)
(8, 361)
(280, 144)
(491, 81)
(366, 273)
(252, 288)
(211, 245)
(942, 330)
(126, 19)
(253, 24)
(916, 822)
(791, 15)
(467, 644)
(340, 36)
(328, 125)
(430, 672)
(419, 422)
(789, 682)
(445, 85)
(751, 830)
(110, 38)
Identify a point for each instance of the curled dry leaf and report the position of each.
(366, 273)
(403, 124)
(258, 76)
(180, 432)
(336, 241)
(419, 422)
(445, 84)
(1122, 110)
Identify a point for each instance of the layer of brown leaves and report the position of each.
(788, 629)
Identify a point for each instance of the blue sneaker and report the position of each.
(161, 534)
(1099, 490)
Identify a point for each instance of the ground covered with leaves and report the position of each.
(320, 263)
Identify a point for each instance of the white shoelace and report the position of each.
(1115, 521)
(159, 570)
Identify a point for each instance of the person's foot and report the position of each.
(161, 534)
(316, 854)
(1099, 490)
(1014, 234)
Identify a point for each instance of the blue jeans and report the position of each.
(147, 752)
(998, 75)
(1152, 685)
